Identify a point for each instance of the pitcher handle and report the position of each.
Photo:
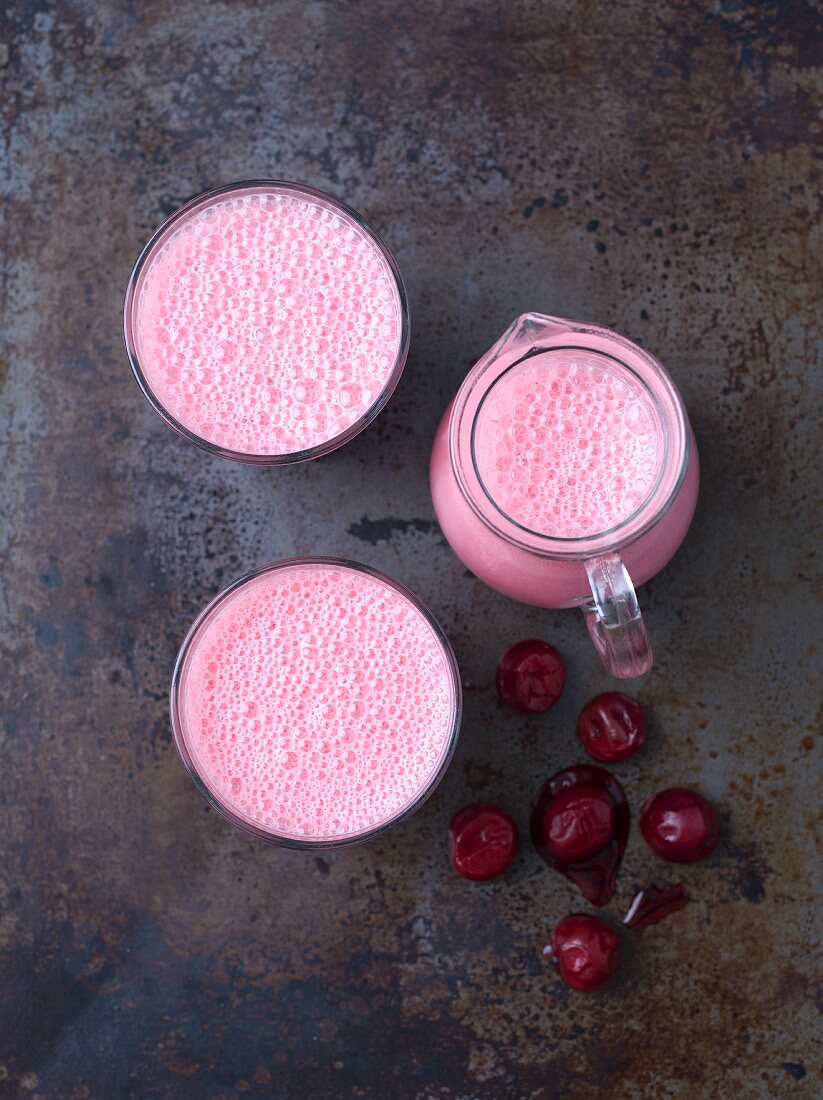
(614, 620)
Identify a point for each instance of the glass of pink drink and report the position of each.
(316, 703)
(266, 322)
(565, 472)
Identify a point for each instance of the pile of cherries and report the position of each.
(580, 818)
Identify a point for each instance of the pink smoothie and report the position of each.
(567, 445)
(316, 701)
(267, 321)
(565, 442)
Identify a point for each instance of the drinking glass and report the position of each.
(266, 322)
(316, 703)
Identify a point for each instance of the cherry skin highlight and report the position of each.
(586, 951)
(530, 676)
(680, 825)
(579, 822)
(611, 727)
(483, 841)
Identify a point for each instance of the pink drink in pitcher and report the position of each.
(565, 472)
(266, 322)
(315, 702)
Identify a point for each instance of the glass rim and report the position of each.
(130, 309)
(247, 823)
(676, 443)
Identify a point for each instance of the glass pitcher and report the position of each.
(565, 473)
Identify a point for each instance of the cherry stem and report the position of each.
(654, 903)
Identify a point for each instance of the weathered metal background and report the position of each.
(646, 165)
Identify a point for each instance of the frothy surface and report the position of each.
(317, 700)
(568, 444)
(268, 324)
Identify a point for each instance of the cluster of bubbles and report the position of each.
(568, 446)
(318, 701)
(268, 324)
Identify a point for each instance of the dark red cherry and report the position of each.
(579, 821)
(586, 950)
(680, 825)
(483, 840)
(530, 676)
(611, 727)
(595, 873)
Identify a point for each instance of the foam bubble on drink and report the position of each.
(568, 444)
(268, 324)
(317, 701)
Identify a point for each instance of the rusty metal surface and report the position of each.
(648, 166)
